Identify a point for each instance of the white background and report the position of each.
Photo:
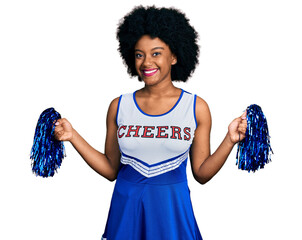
(63, 54)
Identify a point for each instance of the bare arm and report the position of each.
(204, 164)
(106, 164)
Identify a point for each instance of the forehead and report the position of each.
(148, 43)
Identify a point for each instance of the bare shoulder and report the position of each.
(114, 103)
(112, 110)
(202, 110)
(201, 104)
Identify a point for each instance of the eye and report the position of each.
(156, 54)
(138, 55)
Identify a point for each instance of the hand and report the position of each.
(63, 130)
(237, 128)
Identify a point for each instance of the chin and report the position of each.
(150, 82)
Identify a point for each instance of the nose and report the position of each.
(147, 61)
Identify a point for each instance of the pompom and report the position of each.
(47, 153)
(255, 150)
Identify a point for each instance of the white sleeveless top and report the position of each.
(155, 144)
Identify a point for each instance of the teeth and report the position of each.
(151, 71)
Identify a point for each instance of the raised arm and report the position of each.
(106, 164)
(204, 164)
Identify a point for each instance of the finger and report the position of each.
(243, 116)
(59, 121)
(56, 122)
(58, 129)
(242, 130)
(58, 135)
(242, 127)
(243, 123)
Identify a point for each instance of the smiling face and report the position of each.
(153, 60)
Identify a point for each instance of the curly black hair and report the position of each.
(168, 24)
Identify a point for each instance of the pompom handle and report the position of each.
(47, 153)
(255, 150)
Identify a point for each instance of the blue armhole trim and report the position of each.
(118, 108)
(194, 109)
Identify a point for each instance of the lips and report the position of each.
(149, 72)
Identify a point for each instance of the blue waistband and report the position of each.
(177, 175)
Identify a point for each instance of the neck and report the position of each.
(159, 90)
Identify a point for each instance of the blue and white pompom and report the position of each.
(255, 150)
(47, 153)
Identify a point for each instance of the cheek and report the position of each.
(137, 65)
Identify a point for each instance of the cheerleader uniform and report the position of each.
(151, 198)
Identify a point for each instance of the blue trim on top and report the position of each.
(150, 115)
(118, 108)
(187, 92)
(194, 109)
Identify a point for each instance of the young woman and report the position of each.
(152, 132)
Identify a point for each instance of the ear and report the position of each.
(174, 59)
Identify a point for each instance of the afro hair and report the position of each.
(168, 24)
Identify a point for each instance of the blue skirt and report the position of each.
(151, 208)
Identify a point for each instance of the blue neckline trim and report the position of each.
(150, 115)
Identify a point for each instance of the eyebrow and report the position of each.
(151, 49)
